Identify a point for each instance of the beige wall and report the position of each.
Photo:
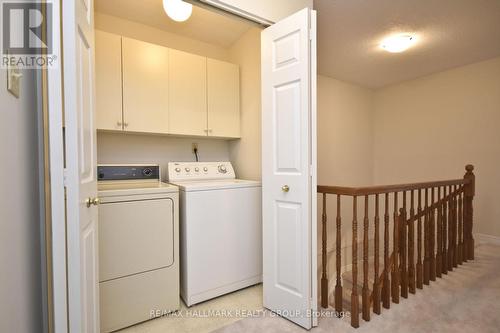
(246, 152)
(160, 149)
(145, 33)
(20, 253)
(429, 128)
(345, 133)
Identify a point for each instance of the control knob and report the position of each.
(177, 169)
(222, 168)
(147, 172)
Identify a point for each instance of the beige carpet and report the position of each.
(465, 300)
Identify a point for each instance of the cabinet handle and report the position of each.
(125, 124)
(285, 188)
(119, 123)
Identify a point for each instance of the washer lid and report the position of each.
(200, 185)
(118, 188)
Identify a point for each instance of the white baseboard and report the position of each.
(486, 239)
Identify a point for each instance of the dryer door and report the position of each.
(135, 237)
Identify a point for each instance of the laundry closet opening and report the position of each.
(178, 96)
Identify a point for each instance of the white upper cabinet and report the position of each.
(108, 62)
(223, 99)
(148, 88)
(145, 86)
(187, 94)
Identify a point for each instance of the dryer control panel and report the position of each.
(181, 171)
(128, 172)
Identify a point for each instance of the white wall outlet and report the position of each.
(14, 80)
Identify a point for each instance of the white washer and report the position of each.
(220, 229)
(138, 245)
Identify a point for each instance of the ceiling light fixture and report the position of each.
(398, 43)
(177, 10)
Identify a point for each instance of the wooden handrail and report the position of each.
(381, 189)
(440, 216)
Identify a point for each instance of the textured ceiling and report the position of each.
(203, 25)
(450, 33)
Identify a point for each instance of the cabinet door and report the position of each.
(187, 93)
(223, 99)
(145, 86)
(108, 62)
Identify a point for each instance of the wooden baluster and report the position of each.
(444, 269)
(460, 229)
(404, 253)
(432, 239)
(426, 239)
(450, 229)
(469, 211)
(455, 226)
(411, 245)
(395, 263)
(366, 290)
(354, 294)
(376, 286)
(324, 274)
(386, 289)
(439, 227)
(338, 285)
(420, 273)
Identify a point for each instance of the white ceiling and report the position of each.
(204, 25)
(450, 33)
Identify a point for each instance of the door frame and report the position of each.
(52, 100)
(55, 223)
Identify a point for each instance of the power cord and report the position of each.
(195, 151)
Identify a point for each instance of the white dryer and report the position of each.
(220, 229)
(138, 245)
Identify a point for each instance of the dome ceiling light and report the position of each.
(398, 43)
(177, 10)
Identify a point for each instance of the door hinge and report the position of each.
(65, 177)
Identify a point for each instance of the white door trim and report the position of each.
(57, 195)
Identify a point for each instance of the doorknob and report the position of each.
(285, 188)
(92, 201)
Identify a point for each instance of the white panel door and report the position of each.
(223, 99)
(187, 93)
(108, 64)
(145, 86)
(79, 108)
(288, 168)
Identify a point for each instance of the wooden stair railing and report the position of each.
(443, 215)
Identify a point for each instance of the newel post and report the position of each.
(469, 191)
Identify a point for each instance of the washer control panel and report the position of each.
(180, 171)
